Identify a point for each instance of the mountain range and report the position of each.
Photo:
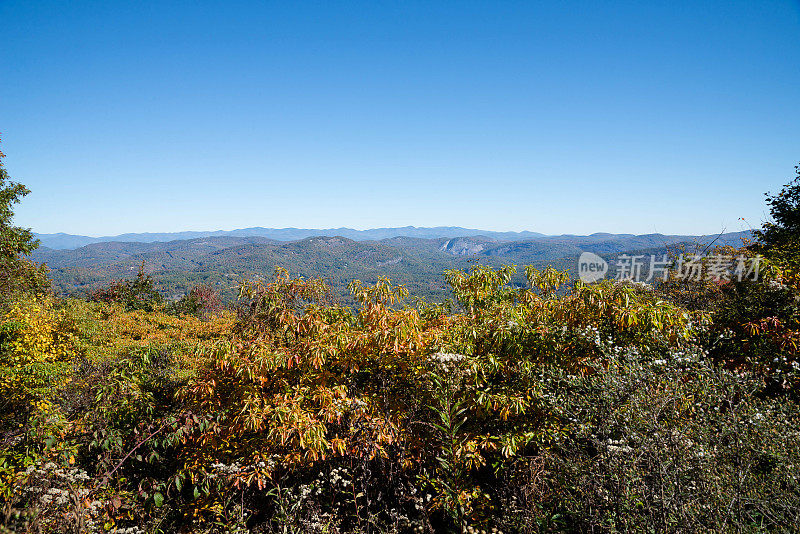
(418, 262)
(68, 241)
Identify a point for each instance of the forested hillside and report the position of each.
(67, 241)
(176, 266)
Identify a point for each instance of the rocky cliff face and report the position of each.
(465, 246)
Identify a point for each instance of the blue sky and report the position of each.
(557, 117)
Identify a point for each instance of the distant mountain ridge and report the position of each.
(62, 241)
(419, 263)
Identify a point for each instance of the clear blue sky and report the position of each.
(557, 117)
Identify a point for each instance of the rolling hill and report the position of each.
(419, 263)
(61, 241)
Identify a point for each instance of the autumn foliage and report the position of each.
(413, 417)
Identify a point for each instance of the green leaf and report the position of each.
(158, 499)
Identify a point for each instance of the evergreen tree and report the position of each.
(17, 273)
(780, 236)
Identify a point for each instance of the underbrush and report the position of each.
(604, 407)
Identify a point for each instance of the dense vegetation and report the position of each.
(548, 406)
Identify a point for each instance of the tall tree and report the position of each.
(16, 271)
(779, 238)
(784, 228)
